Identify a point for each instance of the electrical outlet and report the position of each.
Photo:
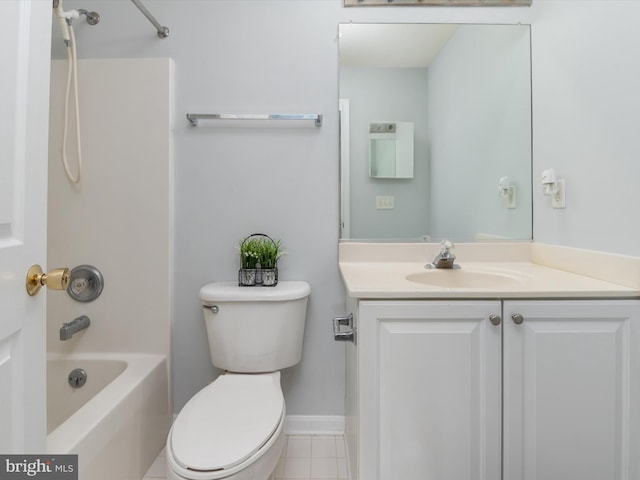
(385, 202)
(511, 197)
(558, 198)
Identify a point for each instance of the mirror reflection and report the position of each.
(391, 150)
(466, 91)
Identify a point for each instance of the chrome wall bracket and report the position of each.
(163, 32)
(344, 335)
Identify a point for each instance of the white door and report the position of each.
(572, 390)
(430, 390)
(25, 35)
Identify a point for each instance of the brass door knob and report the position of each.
(57, 279)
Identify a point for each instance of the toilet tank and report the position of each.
(255, 329)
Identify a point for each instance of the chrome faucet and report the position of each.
(445, 259)
(69, 329)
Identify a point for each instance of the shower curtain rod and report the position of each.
(163, 32)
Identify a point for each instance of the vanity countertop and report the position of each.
(522, 270)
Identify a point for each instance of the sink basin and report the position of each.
(449, 278)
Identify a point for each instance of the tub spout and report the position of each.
(69, 329)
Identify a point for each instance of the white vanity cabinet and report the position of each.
(457, 390)
(429, 390)
(571, 390)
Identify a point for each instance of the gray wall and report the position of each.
(281, 55)
(245, 57)
(585, 122)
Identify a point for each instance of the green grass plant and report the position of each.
(260, 252)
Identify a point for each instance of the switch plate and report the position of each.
(558, 198)
(385, 202)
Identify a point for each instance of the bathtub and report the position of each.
(117, 422)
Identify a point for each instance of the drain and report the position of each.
(77, 378)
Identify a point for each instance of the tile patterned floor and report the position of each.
(317, 457)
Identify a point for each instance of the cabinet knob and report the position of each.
(517, 318)
(495, 319)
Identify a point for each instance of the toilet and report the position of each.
(234, 427)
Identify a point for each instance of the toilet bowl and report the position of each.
(234, 427)
(231, 429)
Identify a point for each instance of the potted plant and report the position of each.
(259, 255)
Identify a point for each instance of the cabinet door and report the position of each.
(430, 390)
(571, 382)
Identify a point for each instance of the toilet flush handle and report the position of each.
(213, 308)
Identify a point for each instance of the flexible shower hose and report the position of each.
(72, 74)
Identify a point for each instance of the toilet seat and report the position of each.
(227, 422)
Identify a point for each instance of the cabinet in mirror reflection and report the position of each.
(391, 150)
(466, 89)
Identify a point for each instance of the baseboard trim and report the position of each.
(314, 425)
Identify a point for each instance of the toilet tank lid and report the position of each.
(232, 292)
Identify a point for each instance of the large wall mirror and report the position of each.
(429, 3)
(467, 91)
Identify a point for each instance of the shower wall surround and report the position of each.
(119, 217)
(262, 56)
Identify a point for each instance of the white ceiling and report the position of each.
(392, 45)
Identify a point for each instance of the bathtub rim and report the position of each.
(66, 437)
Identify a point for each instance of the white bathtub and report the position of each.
(117, 422)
